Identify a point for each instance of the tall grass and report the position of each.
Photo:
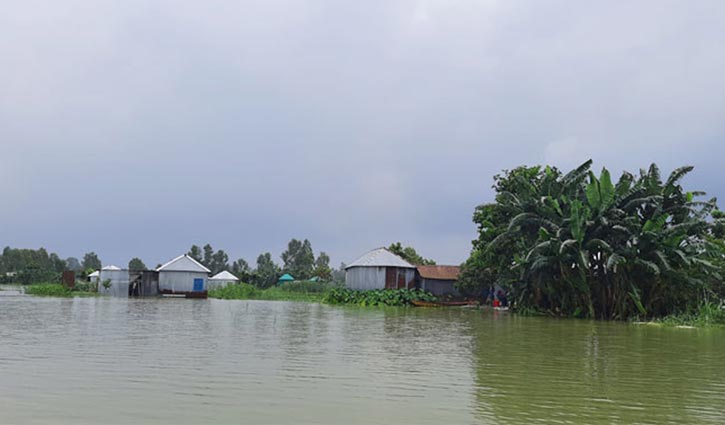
(294, 291)
(57, 290)
(707, 314)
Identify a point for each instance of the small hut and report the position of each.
(438, 280)
(113, 281)
(379, 269)
(221, 279)
(93, 277)
(285, 278)
(183, 275)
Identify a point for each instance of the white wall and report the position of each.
(180, 281)
(119, 283)
(367, 278)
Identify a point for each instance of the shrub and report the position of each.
(377, 297)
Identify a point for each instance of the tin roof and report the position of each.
(286, 278)
(183, 263)
(439, 272)
(223, 275)
(111, 267)
(380, 257)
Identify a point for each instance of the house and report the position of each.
(438, 280)
(221, 279)
(379, 269)
(93, 277)
(113, 280)
(117, 282)
(285, 278)
(183, 276)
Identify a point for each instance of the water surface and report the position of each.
(90, 360)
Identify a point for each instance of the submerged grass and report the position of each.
(707, 314)
(57, 290)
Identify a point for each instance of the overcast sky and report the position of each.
(136, 128)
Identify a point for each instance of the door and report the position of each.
(198, 285)
(390, 275)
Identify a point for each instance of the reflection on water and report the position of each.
(188, 361)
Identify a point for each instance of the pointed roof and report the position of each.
(183, 263)
(286, 278)
(111, 267)
(224, 275)
(380, 257)
(95, 274)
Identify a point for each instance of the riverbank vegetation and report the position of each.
(323, 293)
(581, 245)
(58, 290)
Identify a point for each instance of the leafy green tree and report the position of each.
(299, 259)
(73, 264)
(322, 267)
(219, 262)
(195, 253)
(267, 271)
(136, 264)
(409, 254)
(241, 269)
(581, 245)
(208, 256)
(91, 261)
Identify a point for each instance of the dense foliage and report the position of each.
(58, 290)
(295, 291)
(581, 245)
(409, 254)
(377, 297)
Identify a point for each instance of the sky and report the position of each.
(138, 128)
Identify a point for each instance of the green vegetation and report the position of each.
(377, 297)
(409, 254)
(295, 291)
(58, 290)
(579, 245)
(707, 314)
(321, 292)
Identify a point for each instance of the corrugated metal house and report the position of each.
(438, 280)
(221, 279)
(183, 276)
(379, 269)
(117, 282)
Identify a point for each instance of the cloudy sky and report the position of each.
(136, 128)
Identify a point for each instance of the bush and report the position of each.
(377, 297)
(55, 290)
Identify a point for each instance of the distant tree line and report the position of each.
(37, 265)
(298, 260)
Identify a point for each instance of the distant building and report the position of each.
(285, 278)
(379, 269)
(438, 280)
(113, 280)
(93, 277)
(221, 279)
(183, 276)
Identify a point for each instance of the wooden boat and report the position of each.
(420, 303)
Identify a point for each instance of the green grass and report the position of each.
(296, 291)
(321, 293)
(56, 290)
(707, 314)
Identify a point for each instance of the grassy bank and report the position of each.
(295, 291)
(58, 290)
(707, 314)
(323, 293)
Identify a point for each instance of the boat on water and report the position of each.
(420, 303)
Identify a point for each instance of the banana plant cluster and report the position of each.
(578, 244)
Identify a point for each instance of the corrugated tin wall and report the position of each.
(180, 281)
(118, 280)
(439, 287)
(367, 278)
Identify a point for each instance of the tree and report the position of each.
(580, 245)
(91, 261)
(322, 267)
(219, 262)
(208, 256)
(73, 264)
(338, 275)
(299, 259)
(136, 264)
(241, 269)
(195, 253)
(409, 254)
(267, 271)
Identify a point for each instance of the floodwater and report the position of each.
(91, 360)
